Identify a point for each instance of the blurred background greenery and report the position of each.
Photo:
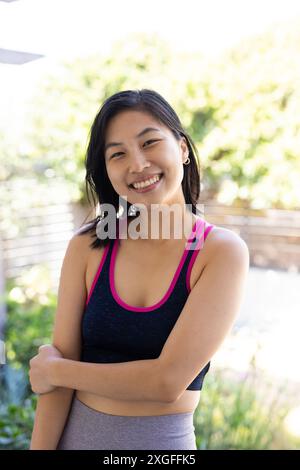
(243, 111)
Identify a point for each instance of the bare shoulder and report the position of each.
(72, 294)
(80, 245)
(223, 242)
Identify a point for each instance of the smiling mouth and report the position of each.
(160, 177)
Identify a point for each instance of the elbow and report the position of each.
(167, 396)
(167, 389)
(171, 399)
(168, 392)
(171, 396)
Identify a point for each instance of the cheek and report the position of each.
(113, 177)
(117, 181)
(176, 173)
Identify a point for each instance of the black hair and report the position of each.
(97, 181)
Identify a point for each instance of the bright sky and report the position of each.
(69, 28)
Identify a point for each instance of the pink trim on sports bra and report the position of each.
(98, 273)
(126, 306)
(194, 255)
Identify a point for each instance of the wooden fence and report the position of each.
(272, 235)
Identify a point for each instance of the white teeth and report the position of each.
(146, 183)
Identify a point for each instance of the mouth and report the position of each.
(148, 187)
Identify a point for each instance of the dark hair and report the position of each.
(97, 181)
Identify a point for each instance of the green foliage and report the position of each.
(30, 315)
(252, 151)
(16, 423)
(240, 414)
(28, 327)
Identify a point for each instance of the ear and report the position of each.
(184, 149)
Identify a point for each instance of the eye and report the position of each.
(152, 140)
(147, 141)
(118, 153)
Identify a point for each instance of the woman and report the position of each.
(138, 318)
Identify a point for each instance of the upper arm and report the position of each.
(71, 299)
(208, 314)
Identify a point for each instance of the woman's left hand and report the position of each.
(40, 369)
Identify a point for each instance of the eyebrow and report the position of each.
(144, 131)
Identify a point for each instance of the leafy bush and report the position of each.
(30, 313)
(16, 423)
(241, 413)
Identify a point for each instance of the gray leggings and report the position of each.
(90, 429)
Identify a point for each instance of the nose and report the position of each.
(137, 162)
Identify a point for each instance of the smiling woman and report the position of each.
(138, 319)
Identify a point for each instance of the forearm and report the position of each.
(134, 381)
(50, 418)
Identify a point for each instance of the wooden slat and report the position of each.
(272, 236)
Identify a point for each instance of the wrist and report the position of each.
(54, 368)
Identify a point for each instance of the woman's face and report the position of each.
(138, 157)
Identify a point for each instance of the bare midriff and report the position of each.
(133, 288)
(188, 402)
